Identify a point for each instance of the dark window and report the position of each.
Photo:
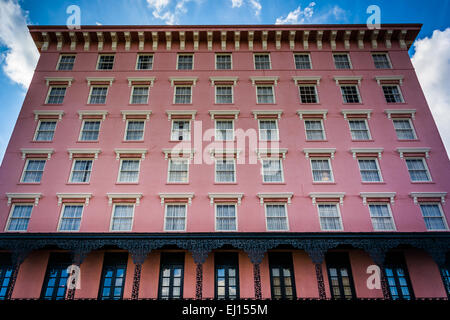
(145, 62)
(55, 283)
(282, 281)
(6, 271)
(66, 62)
(226, 275)
(445, 272)
(113, 276)
(105, 62)
(397, 277)
(171, 276)
(340, 276)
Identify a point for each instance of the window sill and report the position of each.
(138, 104)
(316, 140)
(223, 104)
(274, 183)
(266, 104)
(93, 141)
(423, 182)
(177, 183)
(310, 103)
(324, 182)
(127, 183)
(96, 104)
(35, 141)
(353, 103)
(78, 183)
(225, 183)
(370, 140)
(28, 183)
(408, 140)
(182, 104)
(374, 182)
(396, 103)
(52, 104)
(189, 141)
(133, 141)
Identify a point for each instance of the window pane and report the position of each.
(135, 130)
(276, 217)
(145, 62)
(265, 94)
(433, 217)
(369, 170)
(178, 170)
(272, 170)
(45, 131)
(417, 170)
(381, 61)
(33, 171)
(381, 218)
(183, 95)
(359, 130)
(321, 170)
(122, 217)
(302, 61)
(20, 217)
(98, 95)
(308, 94)
(224, 95)
(175, 217)
(314, 130)
(223, 62)
(329, 217)
(129, 171)
(140, 95)
(225, 170)
(90, 131)
(392, 94)
(404, 129)
(81, 171)
(262, 61)
(350, 94)
(341, 61)
(66, 62)
(268, 130)
(185, 62)
(56, 95)
(71, 218)
(105, 62)
(225, 217)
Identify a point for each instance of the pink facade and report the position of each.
(409, 184)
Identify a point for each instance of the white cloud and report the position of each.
(256, 5)
(432, 63)
(236, 3)
(21, 57)
(170, 14)
(297, 16)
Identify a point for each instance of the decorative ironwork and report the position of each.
(136, 281)
(199, 281)
(320, 282)
(12, 282)
(384, 285)
(257, 281)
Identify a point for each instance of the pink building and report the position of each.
(225, 162)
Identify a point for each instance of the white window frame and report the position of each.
(175, 93)
(410, 124)
(186, 54)
(378, 168)
(120, 171)
(339, 216)
(98, 61)
(223, 54)
(303, 54)
(260, 54)
(348, 57)
(82, 127)
(185, 216)
(263, 173)
(73, 166)
(286, 215)
(112, 216)
(168, 170)
(172, 129)
(66, 55)
(126, 129)
(50, 90)
(323, 129)
(215, 129)
(234, 171)
(430, 178)
(441, 211)
(387, 57)
(144, 54)
(38, 127)
(357, 92)
(259, 129)
(390, 215)
(215, 94)
(266, 86)
(90, 93)
(402, 100)
(10, 216)
(329, 164)
(25, 167)
(132, 92)
(315, 93)
(62, 213)
(235, 216)
(367, 127)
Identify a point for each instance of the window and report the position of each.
(55, 283)
(98, 95)
(224, 94)
(90, 130)
(6, 271)
(105, 62)
(113, 276)
(175, 219)
(272, 170)
(445, 272)
(381, 216)
(282, 282)
(122, 219)
(171, 276)
(397, 277)
(70, 218)
(185, 62)
(321, 170)
(56, 95)
(178, 171)
(223, 62)
(262, 61)
(129, 170)
(359, 129)
(302, 61)
(81, 171)
(144, 62)
(264, 94)
(329, 216)
(340, 276)
(342, 61)
(369, 169)
(45, 130)
(418, 170)
(433, 216)
(135, 130)
(276, 217)
(392, 94)
(225, 170)
(308, 94)
(66, 62)
(314, 130)
(226, 217)
(404, 129)
(33, 171)
(268, 130)
(350, 94)
(224, 130)
(183, 94)
(381, 61)
(226, 265)
(139, 95)
(181, 130)
(19, 217)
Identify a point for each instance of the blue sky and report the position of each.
(17, 56)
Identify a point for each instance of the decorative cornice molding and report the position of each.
(85, 196)
(214, 113)
(89, 80)
(278, 195)
(120, 151)
(322, 112)
(402, 151)
(43, 113)
(126, 113)
(186, 195)
(327, 195)
(95, 152)
(171, 113)
(390, 112)
(141, 79)
(101, 113)
(26, 151)
(330, 151)
(136, 196)
(378, 151)
(366, 195)
(35, 196)
(299, 79)
(69, 80)
(347, 112)
(231, 196)
(416, 195)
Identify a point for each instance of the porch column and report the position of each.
(378, 255)
(256, 257)
(138, 260)
(78, 257)
(317, 256)
(199, 259)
